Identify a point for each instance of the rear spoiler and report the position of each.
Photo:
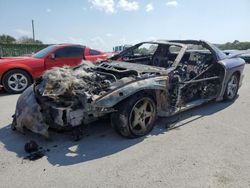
(237, 54)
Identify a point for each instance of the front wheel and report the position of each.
(135, 117)
(232, 88)
(16, 81)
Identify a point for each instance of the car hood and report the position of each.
(126, 66)
(17, 60)
(94, 80)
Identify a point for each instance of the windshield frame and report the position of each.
(176, 61)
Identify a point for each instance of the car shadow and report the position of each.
(4, 93)
(101, 141)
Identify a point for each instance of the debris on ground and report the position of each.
(35, 151)
(31, 146)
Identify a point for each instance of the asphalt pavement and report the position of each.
(208, 146)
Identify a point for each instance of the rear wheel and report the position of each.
(232, 88)
(16, 81)
(135, 117)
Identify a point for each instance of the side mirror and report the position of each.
(52, 56)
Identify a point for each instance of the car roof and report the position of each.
(179, 42)
(164, 42)
(67, 44)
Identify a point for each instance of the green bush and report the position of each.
(12, 50)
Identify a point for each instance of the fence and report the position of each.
(7, 50)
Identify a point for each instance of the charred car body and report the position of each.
(150, 79)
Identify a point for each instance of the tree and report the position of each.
(235, 45)
(236, 42)
(27, 40)
(7, 39)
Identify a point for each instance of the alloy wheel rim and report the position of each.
(17, 82)
(141, 116)
(232, 87)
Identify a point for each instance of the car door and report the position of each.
(70, 55)
(199, 76)
(94, 55)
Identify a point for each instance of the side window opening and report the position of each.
(195, 61)
(69, 52)
(165, 55)
(197, 54)
(145, 49)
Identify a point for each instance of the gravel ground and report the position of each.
(209, 147)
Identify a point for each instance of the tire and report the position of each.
(232, 88)
(135, 117)
(16, 81)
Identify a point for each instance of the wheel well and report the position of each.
(16, 69)
(150, 92)
(237, 74)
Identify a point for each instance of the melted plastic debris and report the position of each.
(61, 80)
(31, 146)
(28, 114)
(35, 152)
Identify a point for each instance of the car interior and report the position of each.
(196, 76)
(163, 55)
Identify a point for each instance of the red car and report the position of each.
(17, 73)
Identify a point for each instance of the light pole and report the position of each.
(33, 30)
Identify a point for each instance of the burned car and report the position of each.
(150, 79)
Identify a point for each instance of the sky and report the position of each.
(102, 24)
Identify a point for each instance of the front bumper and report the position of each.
(28, 114)
(37, 115)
